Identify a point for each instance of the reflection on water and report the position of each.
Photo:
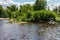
(28, 31)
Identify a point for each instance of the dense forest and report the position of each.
(30, 13)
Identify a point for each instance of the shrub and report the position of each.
(43, 15)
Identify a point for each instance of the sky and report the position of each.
(5, 3)
(22, 1)
(53, 3)
(27, 1)
(50, 3)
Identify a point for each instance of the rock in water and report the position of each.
(52, 22)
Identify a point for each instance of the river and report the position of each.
(28, 31)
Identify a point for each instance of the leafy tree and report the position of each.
(26, 8)
(59, 10)
(1, 8)
(55, 9)
(40, 5)
(9, 13)
(26, 11)
(4, 13)
(48, 8)
(12, 8)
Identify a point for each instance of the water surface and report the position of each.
(28, 31)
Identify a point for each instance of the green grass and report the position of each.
(58, 18)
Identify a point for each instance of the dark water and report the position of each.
(28, 31)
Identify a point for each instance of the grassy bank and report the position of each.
(57, 18)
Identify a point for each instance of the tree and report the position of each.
(40, 5)
(12, 8)
(55, 9)
(1, 8)
(48, 8)
(9, 14)
(4, 13)
(26, 11)
(59, 9)
(26, 8)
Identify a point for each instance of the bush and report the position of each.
(43, 15)
(27, 16)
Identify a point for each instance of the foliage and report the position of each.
(40, 5)
(4, 14)
(9, 13)
(26, 8)
(28, 13)
(12, 8)
(43, 15)
(55, 9)
(1, 8)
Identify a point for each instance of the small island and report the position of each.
(27, 13)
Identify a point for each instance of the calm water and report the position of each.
(28, 31)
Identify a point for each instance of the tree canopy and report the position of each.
(40, 5)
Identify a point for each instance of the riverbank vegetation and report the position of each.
(30, 13)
